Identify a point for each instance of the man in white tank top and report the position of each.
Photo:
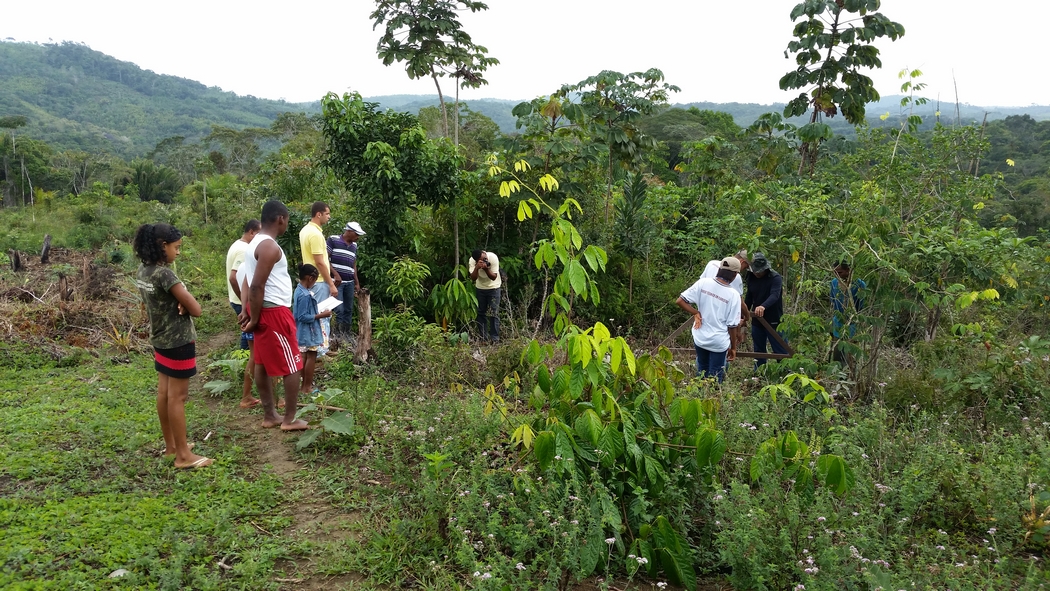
(268, 315)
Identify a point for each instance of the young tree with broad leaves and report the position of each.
(832, 45)
(612, 103)
(428, 36)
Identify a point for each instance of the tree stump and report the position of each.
(16, 261)
(45, 253)
(65, 292)
(364, 327)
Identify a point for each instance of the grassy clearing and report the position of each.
(84, 490)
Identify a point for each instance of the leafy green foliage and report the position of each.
(429, 37)
(611, 104)
(454, 303)
(386, 160)
(831, 49)
(405, 280)
(565, 246)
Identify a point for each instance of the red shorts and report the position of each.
(276, 346)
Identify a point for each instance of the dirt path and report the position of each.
(314, 518)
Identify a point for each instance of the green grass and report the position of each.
(84, 490)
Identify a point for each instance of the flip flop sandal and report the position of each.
(200, 463)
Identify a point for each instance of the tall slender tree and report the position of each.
(832, 45)
(428, 36)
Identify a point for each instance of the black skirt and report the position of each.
(180, 362)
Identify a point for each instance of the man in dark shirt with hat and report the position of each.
(765, 300)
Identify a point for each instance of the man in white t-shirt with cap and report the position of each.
(715, 308)
(711, 270)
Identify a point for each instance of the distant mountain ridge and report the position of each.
(77, 98)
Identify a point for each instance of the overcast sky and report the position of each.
(726, 51)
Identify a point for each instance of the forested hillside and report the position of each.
(77, 98)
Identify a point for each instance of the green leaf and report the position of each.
(690, 410)
(655, 474)
(545, 448)
(577, 277)
(710, 447)
(560, 384)
(594, 376)
(577, 382)
(523, 434)
(673, 552)
(217, 387)
(308, 438)
(835, 474)
(543, 378)
(306, 409)
(611, 443)
(628, 355)
(601, 332)
(563, 444)
(589, 427)
(592, 551)
(340, 422)
(533, 353)
(615, 355)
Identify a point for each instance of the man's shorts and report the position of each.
(245, 336)
(276, 345)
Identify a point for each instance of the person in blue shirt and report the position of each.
(308, 324)
(845, 308)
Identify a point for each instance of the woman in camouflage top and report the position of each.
(169, 306)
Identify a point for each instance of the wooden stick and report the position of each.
(688, 323)
(364, 327)
(774, 334)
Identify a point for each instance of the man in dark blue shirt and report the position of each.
(342, 252)
(765, 299)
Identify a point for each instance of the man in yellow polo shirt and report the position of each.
(315, 252)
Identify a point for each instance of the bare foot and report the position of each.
(296, 425)
(250, 403)
(270, 423)
(168, 453)
(195, 462)
(280, 403)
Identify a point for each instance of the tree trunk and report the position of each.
(45, 253)
(364, 327)
(455, 203)
(455, 236)
(630, 282)
(9, 185)
(455, 118)
(25, 173)
(441, 99)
